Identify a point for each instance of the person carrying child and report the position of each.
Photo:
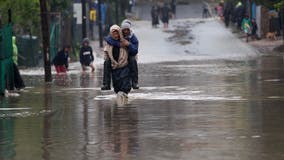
(119, 62)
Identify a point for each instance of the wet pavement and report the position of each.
(184, 110)
(189, 107)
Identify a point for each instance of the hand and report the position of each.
(105, 56)
(124, 43)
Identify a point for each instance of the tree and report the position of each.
(268, 3)
(45, 39)
(64, 7)
(24, 11)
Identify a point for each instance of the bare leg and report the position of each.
(93, 67)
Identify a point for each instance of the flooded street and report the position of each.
(208, 100)
(184, 110)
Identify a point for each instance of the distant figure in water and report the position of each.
(86, 55)
(60, 61)
(205, 13)
(165, 15)
(155, 16)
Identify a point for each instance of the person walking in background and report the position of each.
(205, 12)
(130, 5)
(220, 10)
(239, 14)
(173, 7)
(227, 12)
(254, 29)
(155, 15)
(165, 15)
(18, 81)
(60, 61)
(86, 55)
(246, 26)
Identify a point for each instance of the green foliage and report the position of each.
(270, 3)
(279, 5)
(267, 3)
(62, 6)
(24, 14)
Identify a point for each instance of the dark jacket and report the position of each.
(133, 44)
(165, 14)
(61, 58)
(86, 55)
(112, 41)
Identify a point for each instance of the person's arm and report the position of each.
(66, 66)
(67, 62)
(112, 42)
(133, 46)
(81, 55)
(92, 56)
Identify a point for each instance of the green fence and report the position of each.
(29, 51)
(6, 61)
(54, 39)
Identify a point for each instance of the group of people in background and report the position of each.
(163, 12)
(237, 14)
(61, 59)
(120, 59)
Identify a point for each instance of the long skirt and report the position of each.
(121, 80)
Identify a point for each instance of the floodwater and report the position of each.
(217, 103)
(184, 110)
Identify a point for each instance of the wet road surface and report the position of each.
(197, 109)
(185, 110)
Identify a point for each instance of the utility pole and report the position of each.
(116, 12)
(0, 21)
(282, 18)
(84, 20)
(45, 40)
(100, 23)
(9, 15)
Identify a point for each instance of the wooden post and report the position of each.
(282, 19)
(100, 23)
(116, 12)
(9, 15)
(84, 20)
(45, 41)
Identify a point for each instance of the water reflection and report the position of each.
(47, 105)
(79, 127)
(7, 145)
(121, 132)
(62, 80)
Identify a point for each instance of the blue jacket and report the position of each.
(112, 41)
(133, 44)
